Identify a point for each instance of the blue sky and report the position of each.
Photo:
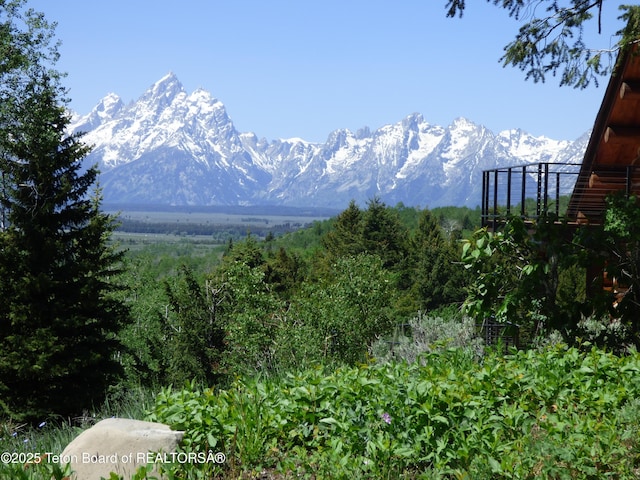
(303, 68)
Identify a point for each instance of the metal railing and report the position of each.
(495, 333)
(526, 190)
(553, 188)
(588, 200)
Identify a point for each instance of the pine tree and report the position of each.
(58, 315)
(345, 238)
(551, 40)
(197, 339)
(383, 234)
(436, 277)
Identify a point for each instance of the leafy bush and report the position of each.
(427, 333)
(343, 313)
(248, 313)
(554, 413)
(605, 332)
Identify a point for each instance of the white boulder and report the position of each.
(118, 445)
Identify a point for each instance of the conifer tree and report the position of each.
(197, 339)
(383, 234)
(345, 238)
(551, 39)
(58, 315)
(437, 280)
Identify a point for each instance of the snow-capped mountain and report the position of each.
(175, 148)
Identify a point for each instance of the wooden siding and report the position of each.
(612, 157)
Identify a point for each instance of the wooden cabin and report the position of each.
(612, 158)
(611, 163)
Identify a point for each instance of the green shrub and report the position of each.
(553, 413)
(344, 312)
(605, 333)
(427, 333)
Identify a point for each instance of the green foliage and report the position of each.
(376, 231)
(59, 317)
(551, 41)
(148, 353)
(195, 335)
(457, 219)
(606, 333)
(429, 333)
(432, 273)
(553, 413)
(535, 275)
(27, 52)
(517, 272)
(247, 252)
(40, 469)
(496, 279)
(248, 311)
(417, 246)
(383, 234)
(344, 312)
(287, 302)
(307, 239)
(345, 236)
(285, 272)
(615, 247)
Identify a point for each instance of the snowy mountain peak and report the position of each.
(529, 148)
(462, 123)
(109, 105)
(167, 86)
(105, 110)
(172, 147)
(412, 121)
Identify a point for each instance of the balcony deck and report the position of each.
(577, 192)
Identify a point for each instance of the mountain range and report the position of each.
(174, 148)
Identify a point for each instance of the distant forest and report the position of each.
(259, 221)
(219, 222)
(221, 230)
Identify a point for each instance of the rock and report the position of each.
(118, 445)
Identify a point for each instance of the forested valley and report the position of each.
(322, 294)
(355, 347)
(348, 348)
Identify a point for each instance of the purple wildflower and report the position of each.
(386, 417)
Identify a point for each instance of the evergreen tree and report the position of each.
(551, 39)
(383, 234)
(284, 272)
(247, 252)
(58, 318)
(435, 276)
(197, 339)
(345, 238)
(376, 231)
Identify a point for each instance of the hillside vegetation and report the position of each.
(343, 350)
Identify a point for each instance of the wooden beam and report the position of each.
(630, 90)
(622, 134)
(609, 182)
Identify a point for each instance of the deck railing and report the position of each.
(527, 190)
(532, 190)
